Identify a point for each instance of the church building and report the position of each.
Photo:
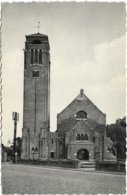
(81, 126)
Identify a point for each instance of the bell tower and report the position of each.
(36, 105)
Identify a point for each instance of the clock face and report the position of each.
(35, 73)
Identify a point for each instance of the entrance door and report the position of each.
(52, 154)
(83, 154)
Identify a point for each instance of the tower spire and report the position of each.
(38, 26)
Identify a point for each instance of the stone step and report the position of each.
(86, 169)
(87, 164)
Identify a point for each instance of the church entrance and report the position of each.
(83, 154)
(52, 154)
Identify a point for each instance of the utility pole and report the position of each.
(15, 117)
(35, 107)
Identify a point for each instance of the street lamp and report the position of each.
(15, 117)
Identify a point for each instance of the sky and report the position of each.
(87, 48)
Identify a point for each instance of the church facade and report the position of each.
(81, 126)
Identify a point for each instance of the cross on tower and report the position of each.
(38, 26)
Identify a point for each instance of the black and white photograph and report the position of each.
(63, 68)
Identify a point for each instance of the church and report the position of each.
(81, 126)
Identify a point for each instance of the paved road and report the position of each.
(21, 179)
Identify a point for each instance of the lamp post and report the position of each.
(15, 117)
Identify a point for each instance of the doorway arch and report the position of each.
(83, 154)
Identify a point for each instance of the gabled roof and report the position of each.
(36, 35)
(81, 97)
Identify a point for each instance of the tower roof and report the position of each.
(36, 35)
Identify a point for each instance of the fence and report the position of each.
(111, 166)
(57, 163)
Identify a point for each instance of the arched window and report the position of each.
(40, 56)
(81, 115)
(32, 53)
(36, 54)
(32, 149)
(82, 137)
(78, 137)
(36, 149)
(86, 137)
(36, 41)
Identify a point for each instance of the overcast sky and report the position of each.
(87, 42)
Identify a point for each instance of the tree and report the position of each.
(117, 133)
(9, 150)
